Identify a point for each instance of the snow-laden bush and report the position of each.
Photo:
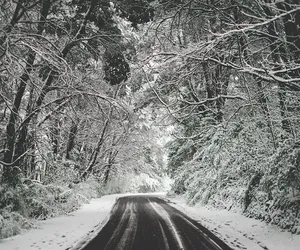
(12, 223)
(89, 189)
(50, 200)
(241, 170)
(64, 169)
(117, 185)
(144, 183)
(38, 201)
(141, 183)
(277, 197)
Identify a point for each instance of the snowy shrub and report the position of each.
(179, 185)
(237, 169)
(145, 183)
(38, 201)
(42, 200)
(63, 168)
(228, 198)
(117, 185)
(141, 183)
(89, 189)
(12, 223)
(283, 212)
(12, 198)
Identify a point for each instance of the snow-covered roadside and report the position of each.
(64, 232)
(67, 232)
(239, 231)
(73, 231)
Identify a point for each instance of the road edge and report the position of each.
(80, 244)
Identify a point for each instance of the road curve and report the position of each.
(149, 223)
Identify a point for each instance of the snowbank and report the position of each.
(66, 231)
(239, 231)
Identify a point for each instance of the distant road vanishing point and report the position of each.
(149, 223)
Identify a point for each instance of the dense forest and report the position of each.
(100, 96)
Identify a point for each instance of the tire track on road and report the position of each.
(149, 223)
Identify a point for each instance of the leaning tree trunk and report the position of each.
(71, 139)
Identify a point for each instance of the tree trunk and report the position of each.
(108, 168)
(54, 135)
(262, 99)
(71, 139)
(10, 172)
(279, 54)
(95, 153)
(285, 122)
(216, 85)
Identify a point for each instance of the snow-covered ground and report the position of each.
(75, 230)
(66, 231)
(70, 232)
(239, 231)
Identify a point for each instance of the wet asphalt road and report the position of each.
(149, 223)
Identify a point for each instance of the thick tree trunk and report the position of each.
(22, 144)
(71, 139)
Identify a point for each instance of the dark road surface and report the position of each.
(149, 223)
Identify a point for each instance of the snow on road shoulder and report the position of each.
(239, 231)
(64, 232)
